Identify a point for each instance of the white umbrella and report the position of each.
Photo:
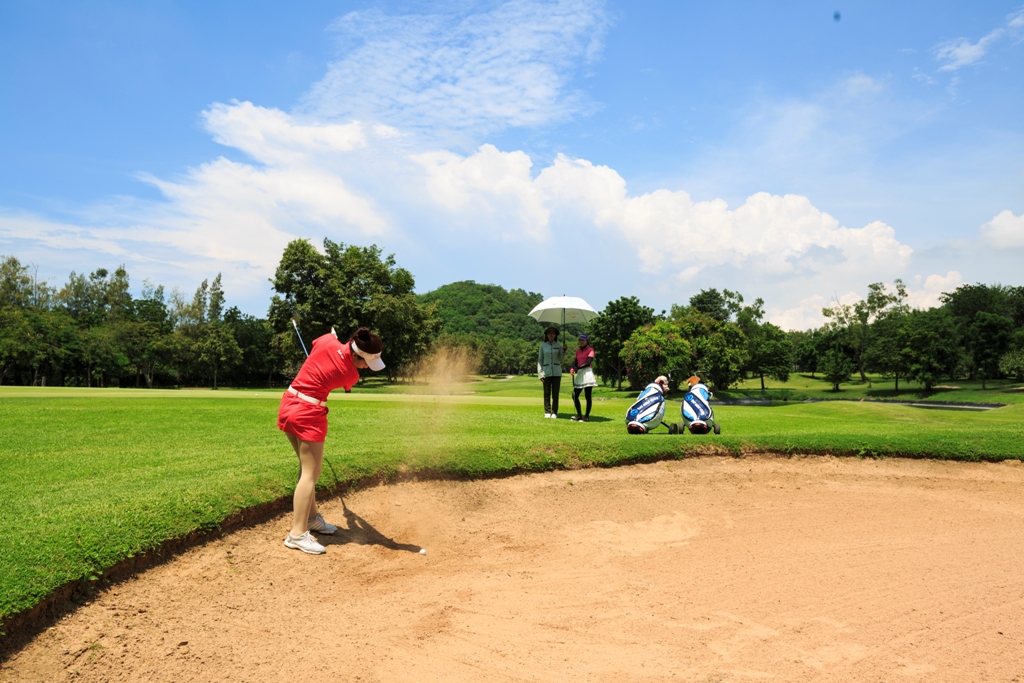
(563, 309)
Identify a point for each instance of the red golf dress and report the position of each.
(303, 410)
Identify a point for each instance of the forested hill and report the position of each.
(470, 309)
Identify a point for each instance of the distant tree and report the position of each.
(507, 356)
(718, 305)
(261, 360)
(14, 335)
(963, 304)
(771, 353)
(931, 349)
(16, 284)
(805, 355)
(856, 319)
(990, 337)
(215, 306)
(610, 331)
(887, 351)
(836, 367)
(1012, 363)
(217, 349)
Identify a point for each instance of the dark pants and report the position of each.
(551, 385)
(576, 398)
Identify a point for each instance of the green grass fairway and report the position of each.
(91, 477)
(799, 387)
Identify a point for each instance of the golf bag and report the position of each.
(646, 414)
(698, 416)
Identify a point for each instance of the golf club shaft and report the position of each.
(300, 338)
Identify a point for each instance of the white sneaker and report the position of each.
(306, 543)
(553, 416)
(547, 415)
(318, 525)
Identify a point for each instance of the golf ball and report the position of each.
(423, 551)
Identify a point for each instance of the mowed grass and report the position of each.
(89, 478)
(799, 387)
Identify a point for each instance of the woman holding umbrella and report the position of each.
(549, 369)
(584, 380)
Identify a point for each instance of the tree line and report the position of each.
(976, 333)
(92, 331)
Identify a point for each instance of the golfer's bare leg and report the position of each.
(311, 455)
(316, 478)
(295, 441)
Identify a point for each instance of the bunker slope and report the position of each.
(705, 569)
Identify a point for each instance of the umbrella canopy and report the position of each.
(563, 309)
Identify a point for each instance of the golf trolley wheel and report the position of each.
(718, 428)
(673, 428)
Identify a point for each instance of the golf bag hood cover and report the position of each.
(696, 408)
(646, 414)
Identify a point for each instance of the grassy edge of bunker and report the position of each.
(424, 439)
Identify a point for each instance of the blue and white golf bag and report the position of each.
(648, 411)
(697, 414)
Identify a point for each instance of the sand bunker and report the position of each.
(710, 569)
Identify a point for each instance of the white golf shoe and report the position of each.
(318, 525)
(547, 414)
(306, 543)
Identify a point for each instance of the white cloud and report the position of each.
(491, 186)
(961, 52)
(272, 137)
(929, 295)
(1005, 231)
(510, 66)
(769, 234)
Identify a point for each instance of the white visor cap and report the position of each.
(372, 359)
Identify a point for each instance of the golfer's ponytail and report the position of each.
(367, 341)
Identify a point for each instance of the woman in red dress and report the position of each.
(302, 416)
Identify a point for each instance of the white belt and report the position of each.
(307, 399)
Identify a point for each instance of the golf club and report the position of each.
(300, 338)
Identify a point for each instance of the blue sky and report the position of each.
(580, 147)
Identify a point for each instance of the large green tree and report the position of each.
(610, 331)
(656, 349)
(347, 287)
(719, 348)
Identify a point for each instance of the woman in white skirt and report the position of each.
(583, 378)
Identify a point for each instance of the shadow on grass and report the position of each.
(361, 532)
